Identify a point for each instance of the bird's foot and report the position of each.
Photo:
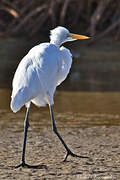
(73, 155)
(24, 165)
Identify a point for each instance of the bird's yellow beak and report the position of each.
(77, 36)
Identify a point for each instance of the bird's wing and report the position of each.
(64, 65)
(25, 84)
(35, 76)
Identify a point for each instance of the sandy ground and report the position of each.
(101, 144)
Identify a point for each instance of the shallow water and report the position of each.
(72, 109)
(89, 97)
(94, 68)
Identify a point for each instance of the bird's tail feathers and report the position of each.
(19, 99)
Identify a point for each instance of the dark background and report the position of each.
(96, 62)
(30, 17)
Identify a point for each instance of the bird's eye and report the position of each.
(68, 35)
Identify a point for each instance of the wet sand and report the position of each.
(89, 128)
(101, 144)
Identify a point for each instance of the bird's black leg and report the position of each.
(69, 152)
(26, 125)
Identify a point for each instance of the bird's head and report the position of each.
(59, 35)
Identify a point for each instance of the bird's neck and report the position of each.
(56, 44)
(56, 41)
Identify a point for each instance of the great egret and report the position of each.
(39, 73)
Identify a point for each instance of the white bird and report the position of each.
(39, 73)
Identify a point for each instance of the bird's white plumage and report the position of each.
(58, 35)
(41, 71)
(65, 64)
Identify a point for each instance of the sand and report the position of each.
(101, 144)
